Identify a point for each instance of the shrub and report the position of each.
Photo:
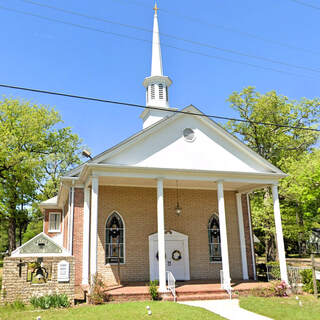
(280, 288)
(274, 270)
(153, 289)
(17, 305)
(307, 281)
(50, 301)
(97, 290)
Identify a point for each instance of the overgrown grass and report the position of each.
(112, 311)
(284, 308)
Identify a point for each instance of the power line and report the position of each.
(227, 28)
(149, 41)
(306, 4)
(243, 54)
(153, 108)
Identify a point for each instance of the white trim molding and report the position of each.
(86, 239)
(94, 226)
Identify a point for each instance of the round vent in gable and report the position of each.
(189, 135)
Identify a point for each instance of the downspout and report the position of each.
(71, 219)
(251, 240)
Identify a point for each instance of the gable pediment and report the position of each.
(166, 147)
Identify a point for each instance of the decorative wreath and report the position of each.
(176, 255)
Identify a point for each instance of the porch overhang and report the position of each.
(122, 175)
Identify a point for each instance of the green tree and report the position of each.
(30, 146)
(280, 145)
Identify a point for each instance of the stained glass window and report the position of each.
(114, 239)
(214, 239)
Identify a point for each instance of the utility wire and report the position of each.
(149, 41)
(306, 4)
(226, 28)
(243, 54)
(173, 110)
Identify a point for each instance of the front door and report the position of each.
(175, 259)
(177, 256)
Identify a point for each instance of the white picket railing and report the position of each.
(171, 284)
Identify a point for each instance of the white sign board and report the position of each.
(63, 271)
(317, 275)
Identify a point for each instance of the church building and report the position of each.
(169, 201)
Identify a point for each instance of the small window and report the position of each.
(160, 91)
(153, 94)
(114, 239)
(214, 239)
(63, 271)
(54, 221)
(189, 135)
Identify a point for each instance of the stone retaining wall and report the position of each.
(16, 288)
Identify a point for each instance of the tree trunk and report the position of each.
(12, 234)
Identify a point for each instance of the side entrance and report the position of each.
(177, 255)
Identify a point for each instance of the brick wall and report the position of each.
(78, 233)
(15, 287)
(246, 222)
(138, 207)
(46, 222)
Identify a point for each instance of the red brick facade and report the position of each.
(78, 233)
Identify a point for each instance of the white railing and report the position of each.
(171, 284)
(224, 286)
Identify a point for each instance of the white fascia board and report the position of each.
(234, 140)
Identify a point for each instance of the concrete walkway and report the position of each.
(228, 309)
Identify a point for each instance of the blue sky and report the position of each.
(47, 55)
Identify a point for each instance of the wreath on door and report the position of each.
(176, 255)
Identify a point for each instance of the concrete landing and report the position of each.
(228, 309)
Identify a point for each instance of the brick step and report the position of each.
(129, 297)
(206, 291)
(198, 297)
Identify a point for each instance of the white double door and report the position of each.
(176, 258)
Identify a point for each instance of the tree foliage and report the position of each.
(286, 146)
(34, 153)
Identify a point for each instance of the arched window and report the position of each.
(114, 239)
(214, 239)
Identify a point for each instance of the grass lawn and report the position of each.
(284, 308)
(123, 311)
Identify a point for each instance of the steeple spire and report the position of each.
(156, 65)
(157, 85)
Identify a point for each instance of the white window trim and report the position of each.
(54, 230)
(124, 240)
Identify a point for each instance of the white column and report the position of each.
(279, 234)
(223, 236)
(86, 232)
(161, 239)
(251, 240)
(242, 238)
(94, 226)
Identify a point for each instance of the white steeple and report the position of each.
(156, 65)
(157, 84)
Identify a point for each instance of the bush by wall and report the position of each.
(50, 301)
